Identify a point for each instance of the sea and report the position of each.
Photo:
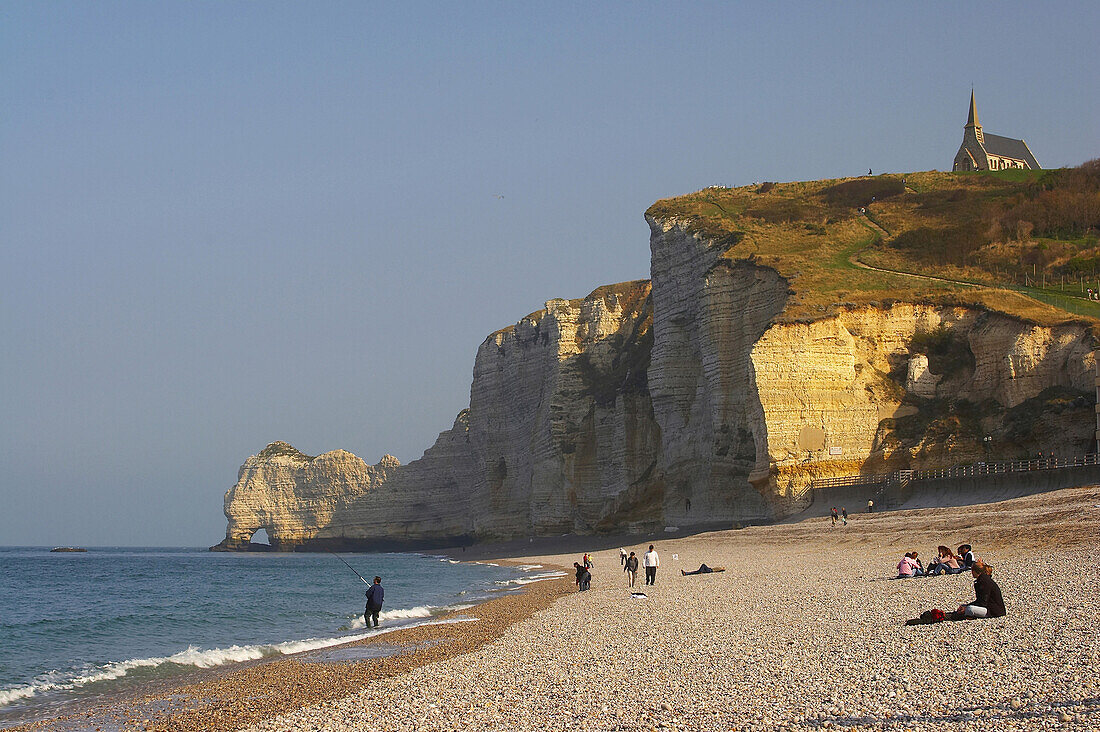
(79, 627)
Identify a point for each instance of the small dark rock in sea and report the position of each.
(68, 549)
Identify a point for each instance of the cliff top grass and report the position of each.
(1024, 243)
(283, 449)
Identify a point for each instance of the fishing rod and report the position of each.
(349, 566)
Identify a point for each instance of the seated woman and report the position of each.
(909, 567)
(988, 602)
(944, 563)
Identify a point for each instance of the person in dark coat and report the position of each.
(966, 556)
(584, 576)
(988, 602)
(374, 602)
(631, 568)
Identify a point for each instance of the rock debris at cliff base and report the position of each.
(804, 630)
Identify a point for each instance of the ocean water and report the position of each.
(75, 626)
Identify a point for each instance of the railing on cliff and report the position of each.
(902, 478)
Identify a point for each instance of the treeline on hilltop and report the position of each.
(1050, 223)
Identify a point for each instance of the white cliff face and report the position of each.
(835, 375)
(707, 314)
(558, 438)
(559, 417)
(752, 408)
(686, 400)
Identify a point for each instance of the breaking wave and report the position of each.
(196, 657)
(529, 579)
(412, 613)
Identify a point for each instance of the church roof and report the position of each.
(1009, 148)
(972, 120)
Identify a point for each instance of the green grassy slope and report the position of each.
(1024, 243)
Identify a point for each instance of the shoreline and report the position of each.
(230, 697)
(804, 629)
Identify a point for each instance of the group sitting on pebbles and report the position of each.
(988, 602)
(945, 562)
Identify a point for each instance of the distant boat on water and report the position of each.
(68, 549)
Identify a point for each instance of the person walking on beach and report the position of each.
(374, 602)
(870, 505)
(622, 556)
(630, 566)
(587, 560)
(835, 515)
(651, 561)
(844, 515)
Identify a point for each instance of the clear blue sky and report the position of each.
(226, 223)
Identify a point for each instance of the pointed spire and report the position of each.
(972, 120)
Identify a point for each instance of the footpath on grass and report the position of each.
(1067, 303)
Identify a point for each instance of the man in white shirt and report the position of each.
(651, 561)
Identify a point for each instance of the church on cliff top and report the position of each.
(983, 151)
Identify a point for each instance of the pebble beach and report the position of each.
(804, 631)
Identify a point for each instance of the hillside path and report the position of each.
(867, 221)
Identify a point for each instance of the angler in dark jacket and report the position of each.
(375, 596)
(988, 602)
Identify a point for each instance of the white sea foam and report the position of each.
(199, 658)
(412, 613)
(7, 696)
(420, 611)
(528, 580)
(528, 567)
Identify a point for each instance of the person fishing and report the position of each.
(375, 593)
(374, 602)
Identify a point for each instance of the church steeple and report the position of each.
(972, 121)
(996, 153)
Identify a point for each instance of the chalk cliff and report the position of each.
(690, 400)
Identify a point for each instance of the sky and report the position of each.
(228, 223)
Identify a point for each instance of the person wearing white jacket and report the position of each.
(651, 561)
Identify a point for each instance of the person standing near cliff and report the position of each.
(374, 602)
(622, 556)
(651, 561)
